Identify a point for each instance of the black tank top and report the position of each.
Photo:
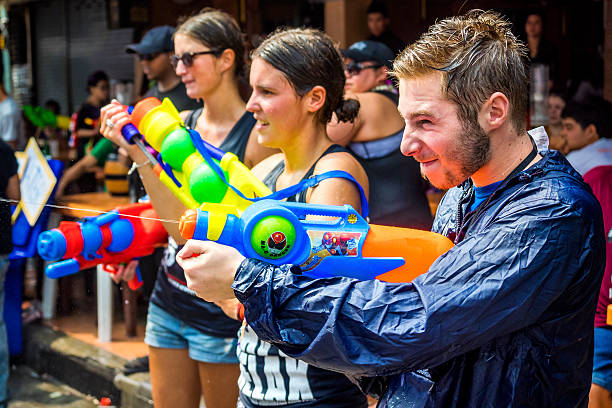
(270, 179)
(235, 142)
(171, 292)
(262, 364)
(397, 190)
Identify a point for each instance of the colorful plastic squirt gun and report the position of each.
(279, 233)
(194, 170)
(112, 238)
(41, 117)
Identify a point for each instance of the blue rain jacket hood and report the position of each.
(503, 319)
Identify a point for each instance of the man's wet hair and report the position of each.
(477, 54)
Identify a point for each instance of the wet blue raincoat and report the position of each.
(504, 319)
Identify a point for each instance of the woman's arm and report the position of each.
(337, 191)
(166, 204)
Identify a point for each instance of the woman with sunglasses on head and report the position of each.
(192, 343)
(375, 137)
(297, 82)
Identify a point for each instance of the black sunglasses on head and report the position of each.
(187, 58)
(354, 68)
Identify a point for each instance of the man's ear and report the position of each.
(590, 133)
(315, 98)
(226, 59)
(494, 112)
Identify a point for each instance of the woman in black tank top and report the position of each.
(209, 58)
(297, 82)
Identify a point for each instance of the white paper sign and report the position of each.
(36, 183)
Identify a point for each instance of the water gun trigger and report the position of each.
(136, 282)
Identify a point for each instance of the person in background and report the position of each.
(9, 189)
(192, 343)
(587, 130)
(541, 51)
(378, 25)
(502, 319)
(11, 122)
(375, 136)
(556, 104)
(87, 127)
(154, 51)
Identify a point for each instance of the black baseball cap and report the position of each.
(370, 51)
(157, 39)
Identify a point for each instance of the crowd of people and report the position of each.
(504, 318)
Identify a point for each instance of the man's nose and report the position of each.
(410, 144)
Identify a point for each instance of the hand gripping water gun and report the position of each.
(190, 167)
(346, 245)
(41, 117)
(111, 238)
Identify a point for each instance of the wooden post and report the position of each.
(346, 20)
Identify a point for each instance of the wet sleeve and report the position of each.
(493, 283)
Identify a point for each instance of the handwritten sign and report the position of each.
(36, 183)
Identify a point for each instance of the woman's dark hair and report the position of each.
(218, 31)
(96, 77)
(307, 58)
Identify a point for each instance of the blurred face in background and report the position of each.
(377, 23)
(555, 107)
(155, 66)
(533, 26)
(577, 137)
(100, 92)
(363, 76)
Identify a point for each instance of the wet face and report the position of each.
(377, 23)
(204, 74)
(555, 107)
(577, 137)
(279, 111)
(448, 150)
(533, 25)
(362, 76)
(155, 66)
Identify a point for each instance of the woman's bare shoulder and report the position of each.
(265, 166)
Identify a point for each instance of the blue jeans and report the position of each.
(4, 357)
(602, 358)
(165, 331)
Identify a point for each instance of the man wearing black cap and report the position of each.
(154, 52)
(375, 136)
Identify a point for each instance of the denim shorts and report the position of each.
(602, 358)
(165, 331)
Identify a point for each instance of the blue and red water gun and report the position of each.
(108, 239)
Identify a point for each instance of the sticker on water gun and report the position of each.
(276, 245)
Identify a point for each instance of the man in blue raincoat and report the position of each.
(503, 319)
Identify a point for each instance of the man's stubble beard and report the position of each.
(472, 151)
